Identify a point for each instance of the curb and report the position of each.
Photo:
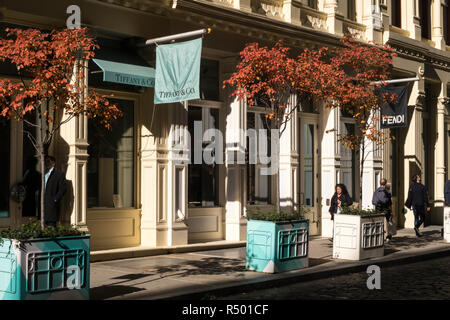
(99, 256)
(286, 279)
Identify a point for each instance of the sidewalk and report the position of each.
(199, 275)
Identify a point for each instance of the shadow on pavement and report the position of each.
(109, 291)
(404, 242)
(206, 266)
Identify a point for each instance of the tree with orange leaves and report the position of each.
(341, 77)
(269, 78)
(359, 70)
(50, 83)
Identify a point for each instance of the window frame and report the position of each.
(218, 105)
(137, 99)
(270, 199)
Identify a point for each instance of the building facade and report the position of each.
(130, 187)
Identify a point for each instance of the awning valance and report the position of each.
(126, 73)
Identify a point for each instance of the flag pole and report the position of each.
(176, 36)
(395, 81)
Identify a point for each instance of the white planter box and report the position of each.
(447, 224)
(358, 237)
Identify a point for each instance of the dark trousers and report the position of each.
(50, 223)
(419, 216)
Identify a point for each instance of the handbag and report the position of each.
(392, 228)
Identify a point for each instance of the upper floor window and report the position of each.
(351, 10)
(447, 22)
(425, 18)
(396, 13)
(312, 4)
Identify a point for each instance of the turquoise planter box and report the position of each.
(277, 246)
(42, 269)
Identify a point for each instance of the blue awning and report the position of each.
(126, 73)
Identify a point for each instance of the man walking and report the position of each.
(55, 187)
(382, 201)
(418, 200)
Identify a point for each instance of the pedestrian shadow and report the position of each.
(110, 291)
(405, 242)
(205, 266)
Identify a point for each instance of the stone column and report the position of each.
(372, 18)
(437, 20)
(330, 157)
(410, 18)
(439, 161)
(414, 147)
(72, 150)
(335, 25)
(235, 183)
(164, 154)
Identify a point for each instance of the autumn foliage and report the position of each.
(50, 84)
(341, 77)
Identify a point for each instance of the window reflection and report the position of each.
(111, 160)
(202, 178)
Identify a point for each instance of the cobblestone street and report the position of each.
(422, 280)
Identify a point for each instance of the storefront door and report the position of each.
(309, 170)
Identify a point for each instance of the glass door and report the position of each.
(309, 170)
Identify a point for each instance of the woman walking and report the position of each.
(340, 199)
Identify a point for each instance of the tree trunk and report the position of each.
(278, 178)
(361, 176)
(42, 157)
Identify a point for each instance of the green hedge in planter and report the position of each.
(41, 264)
(273, 215)
(359, 212)
(33, 230)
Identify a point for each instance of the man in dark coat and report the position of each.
(382, 201)
(418, 200)
(55, 187)
(447, 193)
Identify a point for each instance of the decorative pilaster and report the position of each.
(334, 25)
(164, 156)
(72, 145)
(437, 18)
(288, 173)
(439, 159)
(414, 145)
(235, 181)
(330, 165)
(411, 19)
(372, 18)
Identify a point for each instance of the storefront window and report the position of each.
(203, 178)
(258, 185)
(5, 136)
(111, 160)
